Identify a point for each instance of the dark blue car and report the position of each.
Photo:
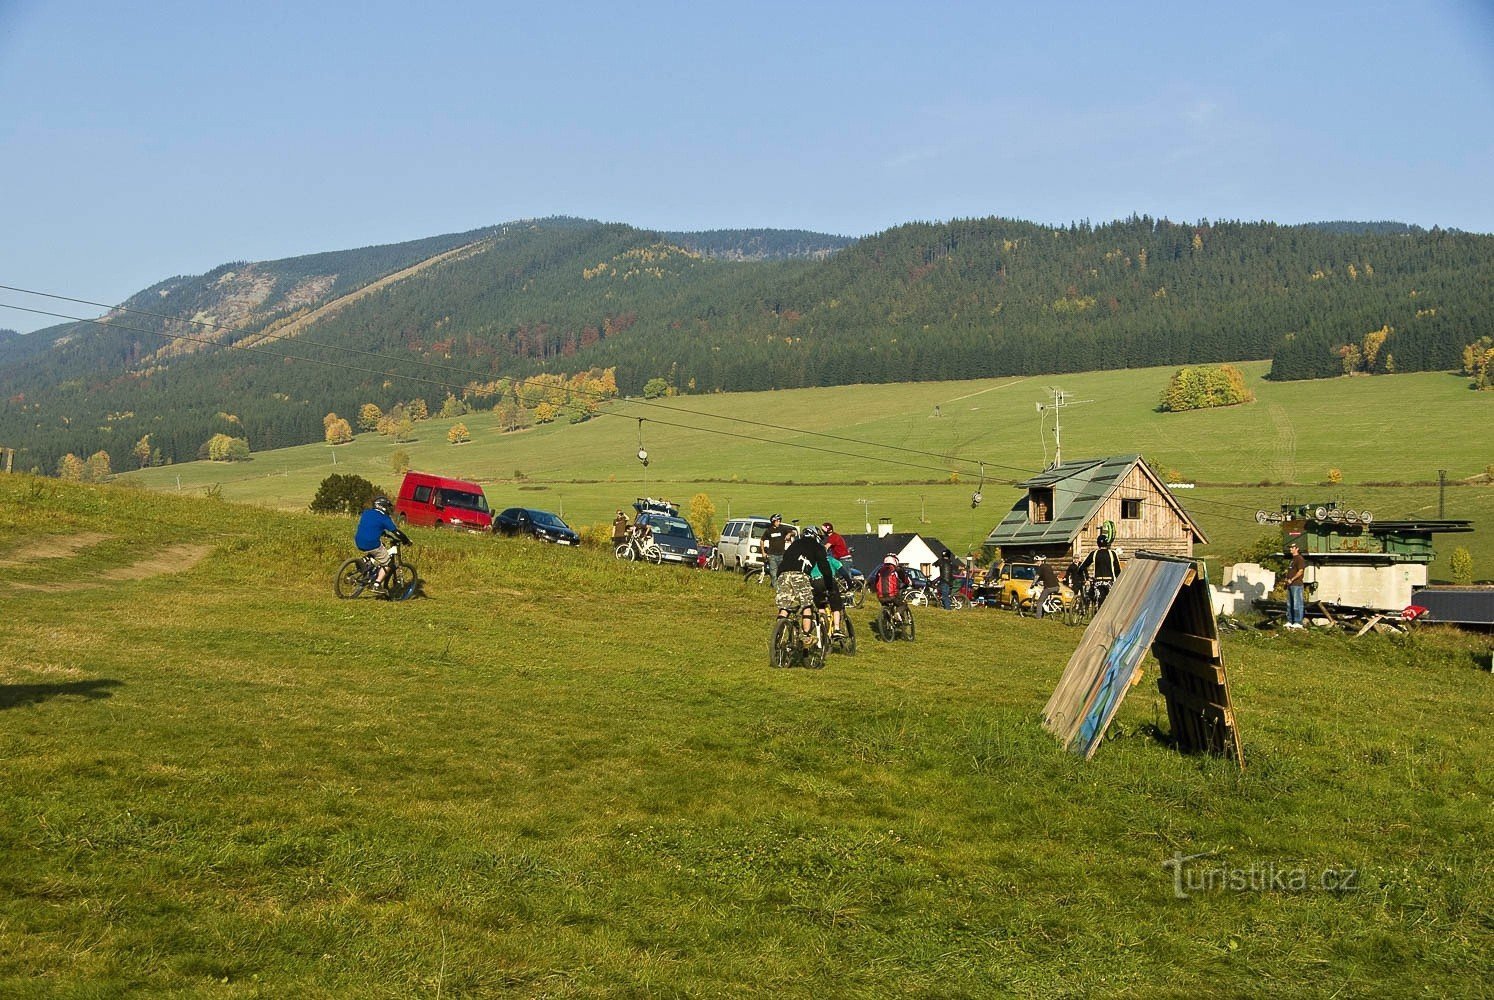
(541, 524)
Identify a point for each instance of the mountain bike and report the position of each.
(646, 551)
(1084, 605)
(852, 591)
(792, 646)
(896, 622)
(356, 576)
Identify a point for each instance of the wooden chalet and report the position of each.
(1062, 510)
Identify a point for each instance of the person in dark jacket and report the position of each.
(1103, 566)
(948, 567)
(807, 553)
(775, 541)
(1047, 578)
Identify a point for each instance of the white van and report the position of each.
(741, 544)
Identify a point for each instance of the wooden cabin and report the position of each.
(1061, 512)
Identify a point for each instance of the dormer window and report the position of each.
(1040, 504)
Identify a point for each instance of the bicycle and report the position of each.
(645, 551)
(358, 574)
(1083, 607)
(852, 592)
(1053, 604)
(792, 646)
(896, 622)
(757, 574)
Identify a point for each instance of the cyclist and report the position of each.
(373, 524)
(805, 555)
(1047, 583)
(1105, 567)
(890, 583)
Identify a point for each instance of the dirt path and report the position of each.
(51, 547)
(172, 559)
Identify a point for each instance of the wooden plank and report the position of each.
(1203, 670)
(1368, 625)
(1197, 645)
(1195, 703)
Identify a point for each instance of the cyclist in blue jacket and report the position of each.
(373, 525)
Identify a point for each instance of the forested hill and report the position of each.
(954, 300)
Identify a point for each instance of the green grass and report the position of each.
(564, 776)
(1385, 429)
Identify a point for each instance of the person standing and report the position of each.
(619, 529)
(947, 567)
(1296, 577)
(775, 540)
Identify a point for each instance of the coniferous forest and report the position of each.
(730, 310)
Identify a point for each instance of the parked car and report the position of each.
(674, 535)
(1017, 582)
(433, 501)
(542, 524)
(741, 544)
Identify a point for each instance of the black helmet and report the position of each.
(1103, 541)
(383, 505)
(813, 533)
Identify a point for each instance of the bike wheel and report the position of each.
(715, 562)
(781, 649)
(403, 581)
(885, 625)
(349, 582)
(958, 602)
(909, 628)
(848, 644)
(814, 656)
(1053, 605)
(654, 554)
(624, 551)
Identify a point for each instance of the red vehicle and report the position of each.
(435, 501)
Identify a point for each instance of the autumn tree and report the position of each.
(223, 448)
(99, 468)
(417, 410)
(1203, 386)
(458, 434)
(702, 517)
(71, 467)
(369, 416)
(453, 407)
(141, 452)
(399, 461)
(339, 431)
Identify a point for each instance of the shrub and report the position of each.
(1335, 475)
(341, 494)
(1460, 565)
(1203, 386)
(400, 462)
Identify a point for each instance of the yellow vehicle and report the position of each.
(1018, 580)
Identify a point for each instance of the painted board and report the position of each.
(1108, 660)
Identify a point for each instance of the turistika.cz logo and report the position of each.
(1189, 878)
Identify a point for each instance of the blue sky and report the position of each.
(139, 141)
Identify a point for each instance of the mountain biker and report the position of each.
(890, 582)
(1105, 566)
(373, 524)
(835, 544)
(1047, 583)
(804, 555)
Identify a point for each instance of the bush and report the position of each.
(1460, 565)
(341, 494)
(1203, 386)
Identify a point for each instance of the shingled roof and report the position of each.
(1079, 488)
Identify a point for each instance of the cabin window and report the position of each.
(422, 494)
(1040, 505)
(1131, 510)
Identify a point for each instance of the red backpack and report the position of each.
(887, 583)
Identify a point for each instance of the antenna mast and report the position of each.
(1059, 399)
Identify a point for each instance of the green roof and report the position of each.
(1079, 488)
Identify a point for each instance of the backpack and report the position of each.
(887, 583)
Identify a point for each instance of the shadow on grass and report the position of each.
(12, 695)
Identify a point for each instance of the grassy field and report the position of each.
(562, 776)
(1390, 429)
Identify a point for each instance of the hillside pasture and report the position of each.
(550, 778)
(1374, 430)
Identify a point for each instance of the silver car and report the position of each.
(741, 544)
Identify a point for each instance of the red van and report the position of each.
(435, 501)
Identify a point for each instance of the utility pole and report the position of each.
(10, 458)
(1441, 493)
(1059, 399)
(866, 514)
